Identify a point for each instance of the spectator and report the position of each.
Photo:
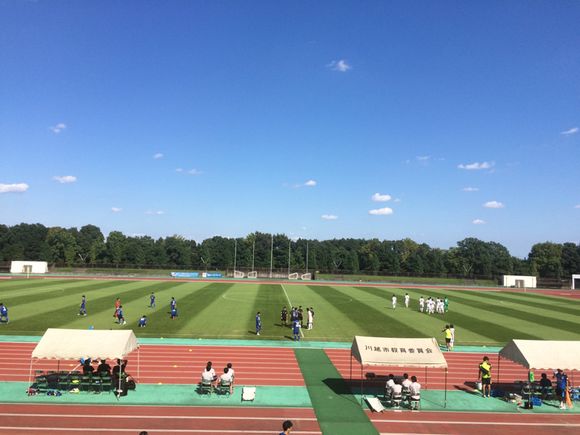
(389, 386)
(545, 385)
(209, 374)
(415, 390)
(406, 381)
(88, 369)
(286, 427)
(231, 370)
(103, 367)
(226, 379)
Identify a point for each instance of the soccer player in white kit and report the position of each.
(407, 299)
(394, 301)
(421, 304)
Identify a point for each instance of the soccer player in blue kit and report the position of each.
(258, 323)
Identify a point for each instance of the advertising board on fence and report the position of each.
(211, 275)
(185, 274)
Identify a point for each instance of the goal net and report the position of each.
(238, 274)
(293, 276)
(253, 274)
(306, 277)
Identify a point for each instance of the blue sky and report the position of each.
(205, 118)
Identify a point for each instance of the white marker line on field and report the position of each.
(290, 305)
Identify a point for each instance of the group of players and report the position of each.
(429, 305)
(296, 317)
(118, 314)
(432, 306)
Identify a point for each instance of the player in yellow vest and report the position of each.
(485, 376)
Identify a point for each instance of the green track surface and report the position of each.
(338, 411)
(150, 394)
(226, 310)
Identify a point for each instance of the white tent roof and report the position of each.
(543, 354)
(82, 343)
(398, 352)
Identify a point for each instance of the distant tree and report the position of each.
(91, 244)
(116, 247)
(62, 246)
(546, 259)
(570, 259)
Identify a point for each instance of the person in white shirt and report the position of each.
(394, 301)
(227, 379)
(310, 318)
(407, 299)
(209, 374)
(389, 386)
(406, 381)
(452, 328)
(421, 304)
(396, 393)
(415, 389)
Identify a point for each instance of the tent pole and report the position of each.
(445, 405)
(138, 364)
(425, 377)
(498, 368)
(361, 383)
(30, 373)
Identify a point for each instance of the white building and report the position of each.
(519, 281)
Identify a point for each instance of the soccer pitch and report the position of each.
(227, 310)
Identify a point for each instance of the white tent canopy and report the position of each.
(398, 352)
(543, 354)
(80, 343)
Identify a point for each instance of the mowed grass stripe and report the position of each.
(370, 320)
(189, 306)
(14, 287)
(62, 315)
(77, 289)
(494, 331)
(557, 306)
(481, 301)
(269, 299)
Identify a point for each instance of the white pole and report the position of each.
(271, 255)
(253, 251)
(235, 254)
(289, 253)
(306, 257)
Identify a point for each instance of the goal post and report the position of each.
(293, 276)
(306, 277)
(253, 274)
(238, 274)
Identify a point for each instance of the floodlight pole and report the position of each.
(289, 254)
(235, 255)
(271, 254)
(253, 251)
(306, 257)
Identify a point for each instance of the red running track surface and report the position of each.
(175, 364)
(470, 423)
(110, 420)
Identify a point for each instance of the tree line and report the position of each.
(471, 258)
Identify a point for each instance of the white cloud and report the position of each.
(13, 188)
(116, 209)
(158, 156)
(194, 172)
(339, 65)
(56, 129)
(573, 130)
(493, 204)
(478, 222)
(329, 217)
(179, 170)
(155, 212)
(65, 179)
(423, 158)
(476, 166)
(470, 189)
(381, 211)
(310, 183)
(380, 197)
(397, 200)
(576, 206)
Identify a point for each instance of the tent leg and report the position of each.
(138, 365)
(361, 384)
(498, 368)
(425, 377)
(30, 374)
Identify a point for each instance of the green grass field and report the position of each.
(227, 310)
